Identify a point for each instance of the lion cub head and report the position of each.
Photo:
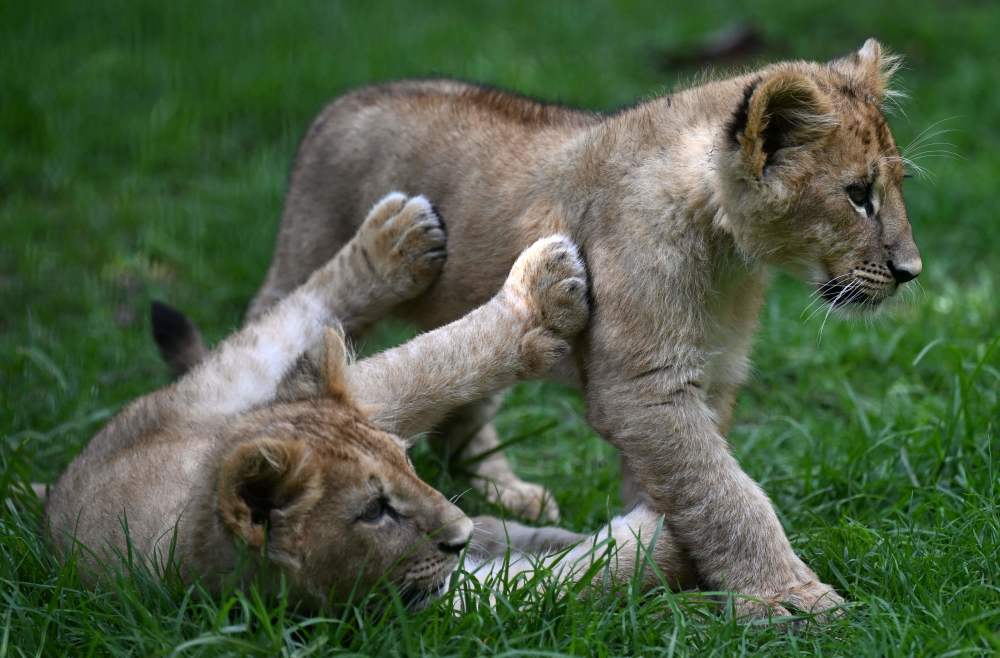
(334, 502)
(813, 179)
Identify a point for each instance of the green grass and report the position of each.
(143, 153)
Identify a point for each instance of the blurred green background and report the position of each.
(144, 149)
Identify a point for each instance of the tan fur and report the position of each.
(275, 443)
(680, 206)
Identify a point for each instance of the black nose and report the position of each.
(453, 547)
(902, 274)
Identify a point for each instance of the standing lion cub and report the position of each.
(275, 441)
(680, 206)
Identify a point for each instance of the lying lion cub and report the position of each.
(277, 442)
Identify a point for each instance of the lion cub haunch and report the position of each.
(680, 205)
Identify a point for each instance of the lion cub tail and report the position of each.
(179, 340)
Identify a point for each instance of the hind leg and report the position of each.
(637, 547)
(469, 439)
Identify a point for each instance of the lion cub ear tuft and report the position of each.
(870, 70)
(335, 364)
(266, 480)
(784, 110)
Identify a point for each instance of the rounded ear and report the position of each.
(869, 69)
(335, 363)
(264, 480)
(783, 110)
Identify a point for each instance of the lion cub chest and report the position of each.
(734, 311)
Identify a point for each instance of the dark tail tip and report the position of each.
(178, 339)
(170, 326)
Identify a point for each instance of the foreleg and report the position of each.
(518, 334)
(395, 255)
(719, 515)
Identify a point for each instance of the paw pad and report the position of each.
(405, 241)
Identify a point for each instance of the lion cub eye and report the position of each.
(859, 193)
(375, 510)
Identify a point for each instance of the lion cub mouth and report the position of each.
(418, 597)
(866, 285)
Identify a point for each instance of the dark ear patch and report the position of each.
(262, 477)
(738, 122)
(783, 110)
(178, 339)
(777, 135)
(258, 496)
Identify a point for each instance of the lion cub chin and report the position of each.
(274, 453)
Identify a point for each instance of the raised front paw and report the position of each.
(549, 279)
(548, 287)
(403, 240)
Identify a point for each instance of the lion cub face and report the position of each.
(822, 178)
(335, 503)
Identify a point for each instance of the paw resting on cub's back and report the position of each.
(403, 239)
(547, 286)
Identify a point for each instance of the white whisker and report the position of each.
(457, 497)
(940, 153)
(929, 133)
(817, 296)
(850, 287)
(809, 307)
(817, 311)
